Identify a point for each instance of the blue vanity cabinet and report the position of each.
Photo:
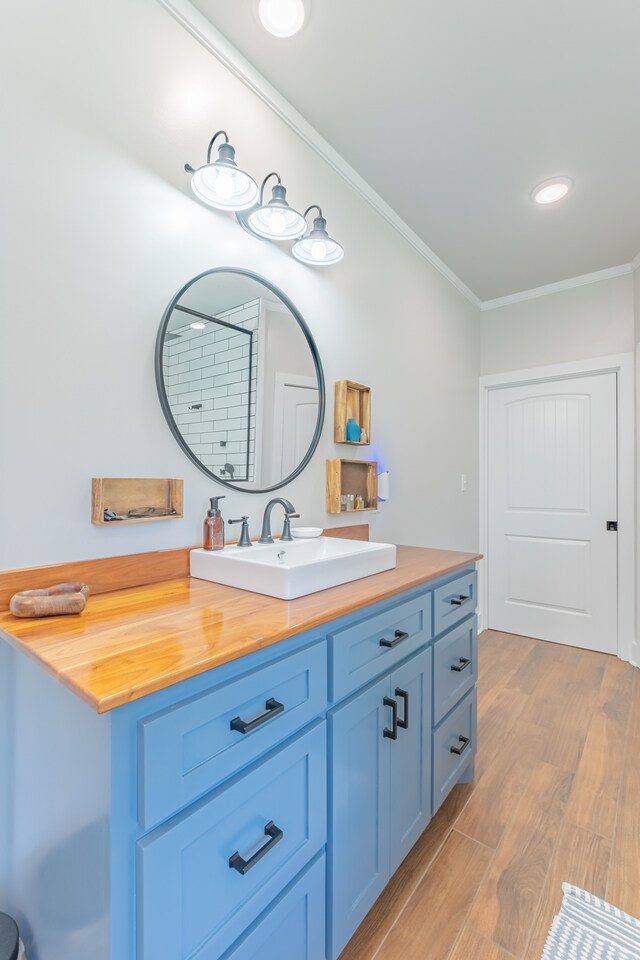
(380, 793)
(252, 812)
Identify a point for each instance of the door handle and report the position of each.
(272, 709)
(459, 600)
(398, 637)
(275, 834)
(462, 665)
(404, 723)
(464, 743)
(392, 733)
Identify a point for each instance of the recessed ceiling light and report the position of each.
(197, 325)
(550, 191)
(281, 18)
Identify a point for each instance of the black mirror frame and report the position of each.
(164, 400)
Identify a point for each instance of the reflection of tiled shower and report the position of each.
(211, 395)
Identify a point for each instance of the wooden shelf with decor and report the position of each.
(135, 500)
(359, 477)
(351, 401)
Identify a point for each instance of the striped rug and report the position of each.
(588, 928)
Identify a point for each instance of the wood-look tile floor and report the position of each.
(556, 797)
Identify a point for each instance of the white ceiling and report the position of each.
(454, 110)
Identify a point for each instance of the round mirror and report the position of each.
(240, 380)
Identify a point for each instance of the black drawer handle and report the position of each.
(272, 708)
(275, 834)
(464, 743)
(398, 637)
(459, 600)
(459, 667)
(404, 723)
(392, 733)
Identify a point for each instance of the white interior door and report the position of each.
(552, 482)
(296, 416)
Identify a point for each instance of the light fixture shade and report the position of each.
(276, 220)
(318, 248)
(222, 184)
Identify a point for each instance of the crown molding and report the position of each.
(210, 38)
(561, 285)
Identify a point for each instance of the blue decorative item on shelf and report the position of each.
(353, 431)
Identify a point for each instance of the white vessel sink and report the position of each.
(293, 569)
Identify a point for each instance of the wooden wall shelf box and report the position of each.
(124, 495)
(352, 476)
(351, 400)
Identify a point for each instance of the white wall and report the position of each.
(589, 321)
(636, 301)
(106, 104)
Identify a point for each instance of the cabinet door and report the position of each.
(359, 811)
(410, 779)
(294, 928)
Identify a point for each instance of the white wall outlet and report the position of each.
(463, 482)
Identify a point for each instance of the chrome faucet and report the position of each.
(289, 513)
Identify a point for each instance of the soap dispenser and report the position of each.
(214, 527)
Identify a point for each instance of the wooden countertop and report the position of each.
(130, 643)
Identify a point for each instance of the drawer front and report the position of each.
(205, 876)
(454, 601)
(189, 749)
(364, 651)
(455, 667)
(456, 733)
(294, 928)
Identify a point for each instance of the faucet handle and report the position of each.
(286, 530)
(245, 539)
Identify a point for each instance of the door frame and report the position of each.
(622, 365)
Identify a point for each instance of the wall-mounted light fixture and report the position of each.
(317, 247)
(223, 185)
(275, 220)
